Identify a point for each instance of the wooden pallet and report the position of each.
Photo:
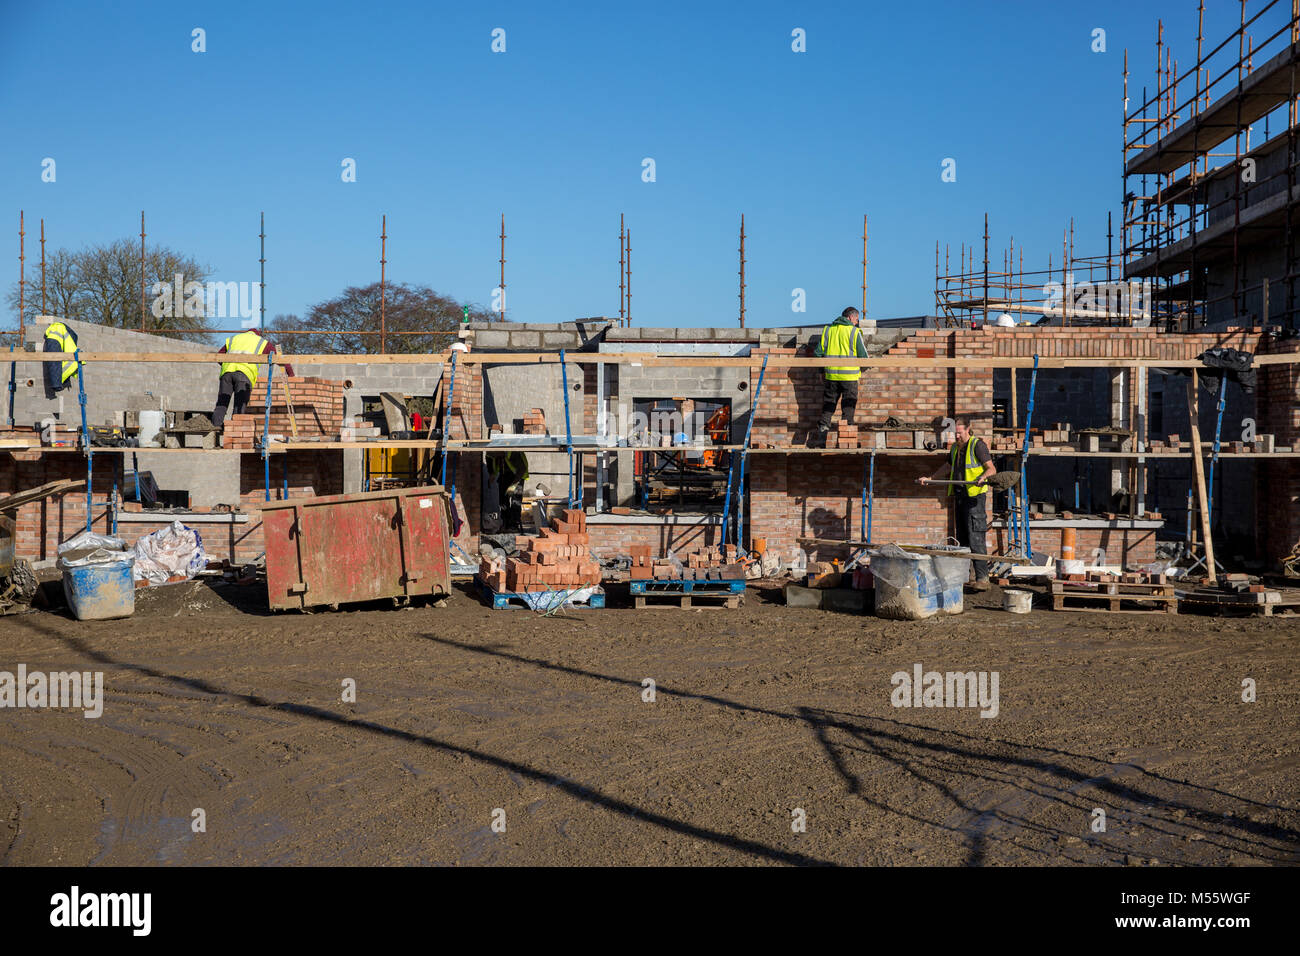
(1115, 595)
(1264, 603)
(502, 599)
(727, 593)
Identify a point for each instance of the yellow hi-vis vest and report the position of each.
(971, 469)
(837, 340)
(516, 461)
(245, 343)
(59, 333)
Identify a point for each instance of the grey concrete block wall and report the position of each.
(114, 386)
(511, 390)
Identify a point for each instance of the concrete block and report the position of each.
(525, 340)
(797, 596)
(845, 600)
(491, 341)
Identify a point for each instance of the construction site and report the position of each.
(604, 592)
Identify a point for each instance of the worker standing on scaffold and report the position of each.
(841, 338)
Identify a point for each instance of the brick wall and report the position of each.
(317, 412)
(610, 539)
(1129, 547)
(43, 525)
(788, 500)
(1277, 487)
(465, 404)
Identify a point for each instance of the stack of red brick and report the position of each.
(556, 560)
(241, 431)
(707, 564)
(317, 412)
(1109, 577)
(845, 435)
(534, 422)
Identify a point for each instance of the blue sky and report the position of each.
(447, 135)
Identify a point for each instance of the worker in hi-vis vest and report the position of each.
(508, 472)
(969, 461)
(58, 375)
(841, 338)
(239, 378)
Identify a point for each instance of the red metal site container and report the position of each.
(344, 548)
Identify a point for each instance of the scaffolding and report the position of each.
(1210, 192)
(1082, 291)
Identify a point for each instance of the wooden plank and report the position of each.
(61, 486)
(914, 548)
(1198, 475)
(632, 358)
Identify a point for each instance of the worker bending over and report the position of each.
(509, 471)
(59, 338)
(841, 338)
(969, 461)
(239, 378)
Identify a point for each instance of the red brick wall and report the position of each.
(465, 404)
(613, 539)
(1277, 483)
(43, 525)
(317, 412)
(1129, 547)
(789, 500)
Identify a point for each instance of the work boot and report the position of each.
(818, 440)
(977, 586)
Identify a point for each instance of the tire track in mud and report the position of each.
(758, 712)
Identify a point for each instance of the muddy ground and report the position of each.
(463, 712)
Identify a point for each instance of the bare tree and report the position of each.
(416, 319)
(101, 284)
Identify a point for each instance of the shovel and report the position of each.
(999, 482)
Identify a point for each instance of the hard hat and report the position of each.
(1005, 321)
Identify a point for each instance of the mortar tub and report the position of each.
(1017, 602)
(362, 547)
(100, 592)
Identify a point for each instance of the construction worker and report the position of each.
(841, 338)
(508, 470)
(239, 378)
(969, 461)
(59, 338)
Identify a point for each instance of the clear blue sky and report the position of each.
(447, 135)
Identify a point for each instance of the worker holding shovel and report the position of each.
(967, 473)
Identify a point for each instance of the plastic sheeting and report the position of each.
(89, 548)
(168, 552)
(554, 600)
(926, 574)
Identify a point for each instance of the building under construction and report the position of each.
(1210, 188)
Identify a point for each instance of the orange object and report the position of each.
(718, 428)
(758, 545)
(1067, 544)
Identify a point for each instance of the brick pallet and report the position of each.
(556, 560)
(1264, 602)
(1071, 596)
(730, 592)
(536, 600)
